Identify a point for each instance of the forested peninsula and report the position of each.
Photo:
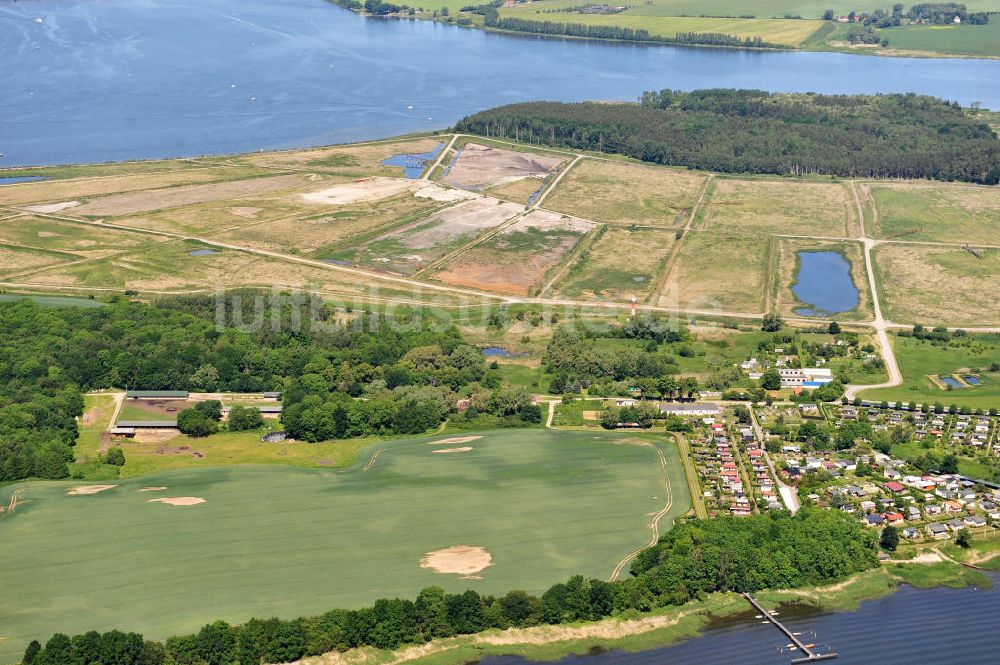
(752, 131)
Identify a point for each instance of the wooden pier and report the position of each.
(810, 655)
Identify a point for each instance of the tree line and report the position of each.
(752, 131)
(347, 376)
(693, 559)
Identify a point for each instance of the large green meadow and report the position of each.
(285, 541)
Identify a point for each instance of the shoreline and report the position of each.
(636, 632)
(805, 47)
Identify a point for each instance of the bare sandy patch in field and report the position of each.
(443, 194)
(464, 560)
(151, 489)
(173, 197)
(178, 500)
(81, 490)
(455, 439)
(52, 207)
(248, 212)
(464, 219)
(517, 259)
(478, 166)
(591, 415)
(463, 449)
(369, 189)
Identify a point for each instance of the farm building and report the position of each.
(146, 424)
(157, 394)
(700, 409)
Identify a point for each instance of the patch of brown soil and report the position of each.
(464, 560)
(172, 197)
(455, 439)
(245, 211)
(178, 500)
(479, 166)
(155, 435)
(463, 449)
(81, 490)
(368, 189)
(151, 489)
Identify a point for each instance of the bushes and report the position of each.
(242, 418)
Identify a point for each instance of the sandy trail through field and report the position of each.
(654, 524)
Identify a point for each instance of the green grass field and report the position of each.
(953, 39)
(918, 359)
(282, 541)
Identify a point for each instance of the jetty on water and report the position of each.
(810, 656)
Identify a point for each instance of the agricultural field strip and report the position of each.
(447, 258)
(519, 299)
(675, 250)
(556, 180)
(654, 523)
(568, 261)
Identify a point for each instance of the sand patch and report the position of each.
(369, 189)
(48, 234)
(478, 166)
(464, 560)
(151, 489)
(52, 207)
(178, 500)
(439, 193)
(81, 490)
(455, 439)
(463, 449)
(591, 415)
(245, 211)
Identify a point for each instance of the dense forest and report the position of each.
(408, 375)
(751, 131)
(693, 559)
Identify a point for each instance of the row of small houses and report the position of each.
(964, 429)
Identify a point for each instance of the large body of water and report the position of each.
(940, 626)
(95, 80)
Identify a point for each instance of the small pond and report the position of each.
(413, 163)
(971, 380)
(951, 382)
(23, 178)
(824, 283)
(202, 252)
(498, 352)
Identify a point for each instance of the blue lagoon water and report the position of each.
(132, 79)
(413, 163)
(23, 178)
(824, 283)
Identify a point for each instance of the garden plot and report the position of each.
(621, 263)
(413, 247)
(516, 260)
(478, 167)
(938, 285)
(621, 193)
(787, 207)
(51, 234)
(936, 211)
